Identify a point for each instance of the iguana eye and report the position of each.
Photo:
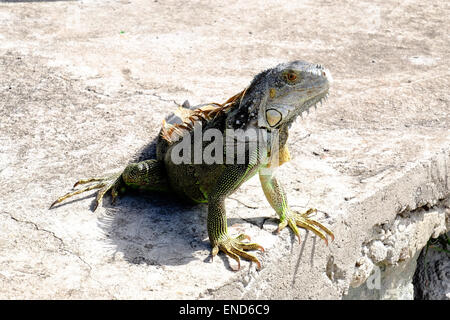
(290, 76)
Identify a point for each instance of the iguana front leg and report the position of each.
(231, 178)
(277, 198)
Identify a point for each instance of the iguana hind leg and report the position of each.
(148, 175)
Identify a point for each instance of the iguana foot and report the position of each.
(234, 247)
(294, 219)
(112, 183)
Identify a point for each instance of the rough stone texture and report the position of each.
(392, 253)
(85, 85)
(432, 276)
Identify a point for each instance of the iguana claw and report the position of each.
(234, 247)
(294, 219)
(112, 183)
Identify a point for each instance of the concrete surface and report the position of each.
(85, 85)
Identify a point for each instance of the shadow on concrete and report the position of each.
(155, 228)
(304, 242)
(159, 229)
(146, 152)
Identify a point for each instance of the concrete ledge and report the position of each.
(81, 96)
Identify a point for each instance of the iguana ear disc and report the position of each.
(273, 117)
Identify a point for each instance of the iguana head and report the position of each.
(278, 95)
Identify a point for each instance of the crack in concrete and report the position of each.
(63, 247)
(61, 241)
(93, 90)
(164, 100)
(243, 203)
(406, 211)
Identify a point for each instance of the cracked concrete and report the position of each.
(53, 235)
(85, 85)
(394, 250)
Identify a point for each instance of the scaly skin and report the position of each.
(269, 106)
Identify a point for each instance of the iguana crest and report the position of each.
(189, 117)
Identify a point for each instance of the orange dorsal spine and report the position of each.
(172, 132)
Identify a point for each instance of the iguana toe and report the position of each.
(235, 248)
(111, 183)
(296, 219)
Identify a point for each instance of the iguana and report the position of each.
(268, 106)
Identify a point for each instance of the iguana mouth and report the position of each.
(314, 101)
(289, 113)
